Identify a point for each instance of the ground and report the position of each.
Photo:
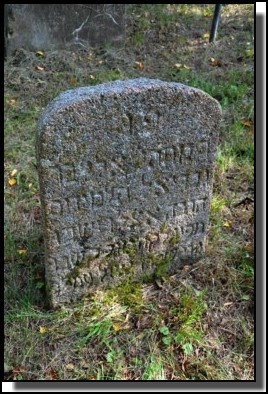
(196, 325)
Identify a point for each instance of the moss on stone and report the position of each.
(75, 273)
(175, 238)
(130, 249)
(163, 227)
(127, 293)
(145, 268)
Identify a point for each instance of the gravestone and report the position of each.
(57, 26)
(125, 172)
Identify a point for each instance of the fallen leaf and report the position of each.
(51, 374)
(227, 224)
(207, 13)
(117, 327)
(42, 329)
(12, 102)
(247, 122)
(69, 367)
(214, 62)
(228, 303)
(13, 172)
(251, 131)
(12, 181)
(139, 66)
(249, 52)
(39, 68)
(17, 371)
(236, 368)
(30, 185)
(91, 77)
(205, 35)
(178, 65)
(21, 252)
(187, 67)
(40, 53)
(249, 247)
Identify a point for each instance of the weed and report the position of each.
(154, 369)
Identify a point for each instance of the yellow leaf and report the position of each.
(247, 122)
(207, 13)
(42, 329)
(178, 65)
(13, 172)
(249, 52)
(214, 62)
(39, 68)
(205, 35)
(22, 251)
(69, 367)
(187, 67)
(227, 224)
(30, 185)
(12, 181)
(91, 76)
(12, 102)
(40, 53)
(139, 65)
(72, 80)
(117, 327)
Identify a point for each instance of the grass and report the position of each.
(195, 325)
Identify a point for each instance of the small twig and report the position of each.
(76, 31)
(111, 17)
(225, 329)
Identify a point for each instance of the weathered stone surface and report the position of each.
(55, 26)
(125, 173)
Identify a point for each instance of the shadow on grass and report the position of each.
(24, 271)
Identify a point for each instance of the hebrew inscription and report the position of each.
(125, 172)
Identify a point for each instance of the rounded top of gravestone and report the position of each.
(124, 88)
